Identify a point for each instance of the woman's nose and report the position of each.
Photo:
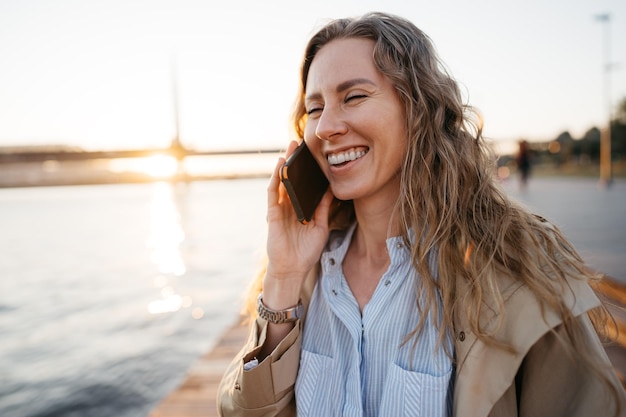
(330, 124)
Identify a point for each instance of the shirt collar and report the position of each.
(339, 242)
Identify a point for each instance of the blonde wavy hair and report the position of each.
(450, 197)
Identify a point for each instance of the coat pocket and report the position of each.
(415, 394)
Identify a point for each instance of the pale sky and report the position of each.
(98, 74)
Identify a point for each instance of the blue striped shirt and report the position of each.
(355, 364)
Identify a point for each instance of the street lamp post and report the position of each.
(605, 139)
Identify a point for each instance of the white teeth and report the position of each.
(340, 158)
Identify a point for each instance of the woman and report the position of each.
(427, 292)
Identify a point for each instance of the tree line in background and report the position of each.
(584, 151)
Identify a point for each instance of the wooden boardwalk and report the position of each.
(196, 396)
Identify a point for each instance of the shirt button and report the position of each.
(332, 261)
(399, 245)
(237, 386)
(462, 336)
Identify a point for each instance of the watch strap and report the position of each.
(279, 316)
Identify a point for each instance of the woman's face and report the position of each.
(356, 122)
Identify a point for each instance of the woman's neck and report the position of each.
(368, 258)
(375, 225)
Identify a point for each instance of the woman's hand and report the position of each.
(292, 248)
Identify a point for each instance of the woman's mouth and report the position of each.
(349, 155)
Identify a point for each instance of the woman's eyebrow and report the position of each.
(343, 87)
(351, 83)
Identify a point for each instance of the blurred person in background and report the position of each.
(522, 159)
(418, 288)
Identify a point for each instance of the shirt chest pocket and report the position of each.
(317, 391)
(415, 394)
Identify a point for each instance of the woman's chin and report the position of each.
(344, 193)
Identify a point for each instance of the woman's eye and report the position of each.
(313, 110)
(355, 97)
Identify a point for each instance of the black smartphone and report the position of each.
(305, 182)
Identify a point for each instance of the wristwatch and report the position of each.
(281, 316)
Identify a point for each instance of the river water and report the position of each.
(108, 293)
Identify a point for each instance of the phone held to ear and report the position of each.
(305, 182)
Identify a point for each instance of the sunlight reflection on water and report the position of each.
(166, 233)
(166, 236)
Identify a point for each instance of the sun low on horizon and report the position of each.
(158, 166)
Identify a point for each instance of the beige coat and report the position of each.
(538, 380)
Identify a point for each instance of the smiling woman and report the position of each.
(426, 291)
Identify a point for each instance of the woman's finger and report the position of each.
(291, 148)
(323, 209)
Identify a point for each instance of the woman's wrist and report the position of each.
(280, 294)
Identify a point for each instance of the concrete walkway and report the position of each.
(594, 219)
